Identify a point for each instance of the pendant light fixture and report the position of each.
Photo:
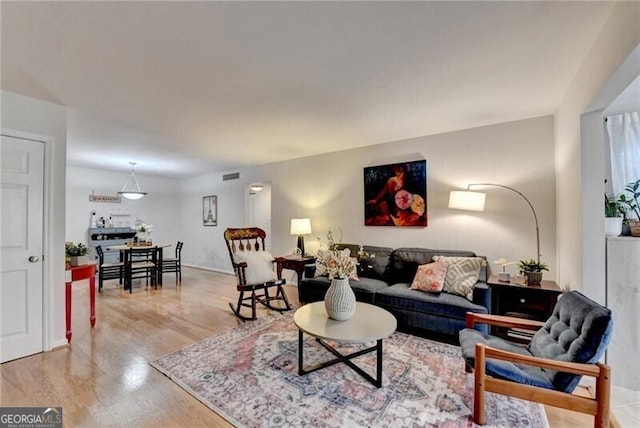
(131, 189)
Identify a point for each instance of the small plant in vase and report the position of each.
(143, 232)
(77, 253)
(614, 212)
(339, 265)
(631, 207)
(532, 270)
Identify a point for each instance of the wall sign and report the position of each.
(105, 198)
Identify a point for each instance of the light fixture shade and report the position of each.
(300, 226)
(466, 200)
(131, 189)
(132, 195)
(256, 187)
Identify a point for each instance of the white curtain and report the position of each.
(624, 144)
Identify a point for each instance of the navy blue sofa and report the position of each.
(385, 280)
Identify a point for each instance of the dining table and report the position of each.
(159, 248)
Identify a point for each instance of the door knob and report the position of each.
(34, 259)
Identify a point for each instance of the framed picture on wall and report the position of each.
(209, 210)
(396, 194)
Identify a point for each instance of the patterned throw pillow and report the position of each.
(354, 275)
(462, 274)
(259, 266)
(321, 269)
(430, 277)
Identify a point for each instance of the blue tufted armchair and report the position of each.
(563, 349)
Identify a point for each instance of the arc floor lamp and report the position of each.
(474, 201)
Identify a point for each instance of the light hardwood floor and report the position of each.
(103, 377)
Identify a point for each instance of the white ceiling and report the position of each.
(628, 100)
(185, 88)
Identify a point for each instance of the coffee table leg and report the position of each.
(300, 362)
(379, 364)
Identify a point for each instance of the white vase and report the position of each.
(612, 226)
(143, 237)
(79, 260)
(340, 302)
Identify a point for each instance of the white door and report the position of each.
(21, 208)
(258, 212)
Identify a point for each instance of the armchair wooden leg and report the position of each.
(603, 396)
(478, 389)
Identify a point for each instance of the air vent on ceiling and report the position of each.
(232, 176)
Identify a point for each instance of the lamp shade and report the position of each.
(466, 200)
(300, 226)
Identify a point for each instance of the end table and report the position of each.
(294, 263)
(515, 298)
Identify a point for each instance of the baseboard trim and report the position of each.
(57, 344)
(209, 269)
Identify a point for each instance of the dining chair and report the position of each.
(108, 270)
(566, 347)
(174, 264)
(140, 262)
(254, 268)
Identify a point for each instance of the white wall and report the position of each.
(578, 183)
(329, 189)
(30, 118)
(160, 207)
(204, 245)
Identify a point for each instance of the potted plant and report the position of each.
(77, 253)
(143, 232)
(613, 215)
(631, 207)
(532, 270)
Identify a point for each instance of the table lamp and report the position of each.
(300, 227)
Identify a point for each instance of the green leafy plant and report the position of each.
(531, 265)
(613, 207)
(631, 204)
(75, 250)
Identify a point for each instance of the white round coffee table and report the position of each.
(369, 323)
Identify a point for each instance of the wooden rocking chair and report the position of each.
(253, 266)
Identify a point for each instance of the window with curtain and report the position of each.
(624, 145)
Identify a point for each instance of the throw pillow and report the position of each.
(321, 269)
(354, 275)
(430, 277)
(259, 266)
(462, 274)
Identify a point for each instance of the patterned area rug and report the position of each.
(249, 375)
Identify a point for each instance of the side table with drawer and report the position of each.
(515, 298)
(294, 263)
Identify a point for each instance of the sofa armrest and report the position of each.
(482, 295)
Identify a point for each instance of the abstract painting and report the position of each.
(396, 194)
